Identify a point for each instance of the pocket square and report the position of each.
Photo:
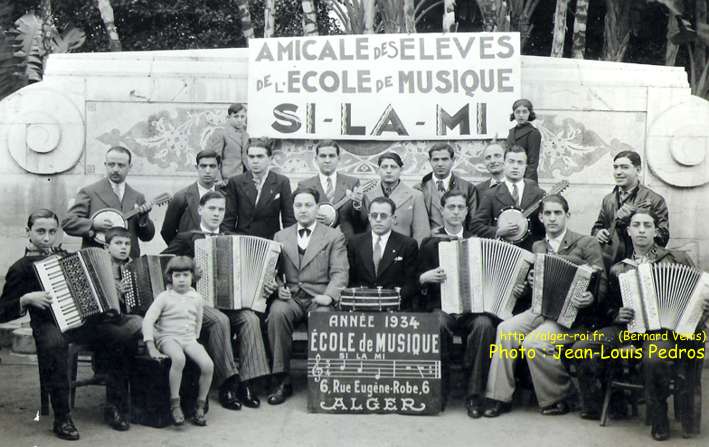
(398, 258)
(277, 196)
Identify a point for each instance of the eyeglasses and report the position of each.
(379, 216)
(455, 207)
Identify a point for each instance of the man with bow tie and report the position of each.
(382, 257)
(110, 192)
(217, 325)
(312, 270)
(441, 156)
(259, 200)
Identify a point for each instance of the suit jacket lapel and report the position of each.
(503, 195)
(192, 198)
(249, 188)
(568, 243)
(529, 194)
(290, 247)
(400, 195)
(340, 189)
(130, 199)
(107, 196)
(390, 252)
(368, 255)
(521, 132)
(266, 190)
(317, 241)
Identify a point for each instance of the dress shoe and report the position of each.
(475, 408)
(661, 428)
(115, 419)
(229, 398)
(65, 429)
(496, 409)
(282, 392)
(591, 415)
(556, 409)
(248, 397)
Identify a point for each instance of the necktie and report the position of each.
(515, 194)
(377, 255)
(329, 190)
(441, 188)
(117, 191)
(304, 231)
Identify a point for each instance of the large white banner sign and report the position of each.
(384, 86)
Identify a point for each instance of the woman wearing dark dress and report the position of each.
(526, 135)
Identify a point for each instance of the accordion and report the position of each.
(362, 299)
(665, 295)
(481, 275)
(145, 278)
(556, 282)
(234, 270)
(81, 286)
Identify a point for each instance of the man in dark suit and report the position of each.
(545, 337)
(334, 187)
(217, 325)
(515, 191)
(314, 264)
(110, 192)
(477, 330)
(442, 179)
(181, 214)
(259, 200)
(382, 257)
(494, 159)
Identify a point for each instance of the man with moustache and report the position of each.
(627, 196)
(334, 186)
(494, 159)
(182, 211)
(442, 179)
(642, 227)
(217, 325)
(477, 330)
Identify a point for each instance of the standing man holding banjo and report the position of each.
(111, 202)
(340, 195)
(519, 196)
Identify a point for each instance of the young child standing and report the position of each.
(170, 329)
(526, 135)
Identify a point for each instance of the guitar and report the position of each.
(327, 212)
(520, 217)
(119, 219)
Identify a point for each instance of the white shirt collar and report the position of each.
(206, 230)
(121, 186)
(323, 180)
(459, 235)
(520, 187)
(202, 190)
(311, 227)
(384, 237)
(555, 243)
(446, 181)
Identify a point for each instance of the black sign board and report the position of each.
(374, 363)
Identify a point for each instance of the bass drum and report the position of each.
(112, 215)
(514, 216)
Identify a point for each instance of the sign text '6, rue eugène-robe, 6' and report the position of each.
(443, 86)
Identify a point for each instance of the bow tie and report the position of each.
(208, 233)
(304, 231)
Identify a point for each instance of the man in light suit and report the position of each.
(333, 187)
(494, 159)
(314, 264)
(516, 191)
(259, 200)
(217, 325)
(441, 180)
(382, 257)
(181, 214)
(110, 192)
(411, 218)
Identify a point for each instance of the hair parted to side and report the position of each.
(41, 213)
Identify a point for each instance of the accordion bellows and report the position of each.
(234, 270)
(146, 279)
(81, 285)
(556, 282)
(481, 275)
(664, 295)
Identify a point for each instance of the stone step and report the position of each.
(23, 341)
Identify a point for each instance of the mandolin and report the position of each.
(120, 219)
(327, 213)
(520, 217)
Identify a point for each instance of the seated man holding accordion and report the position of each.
(656, 344)
(539, 331)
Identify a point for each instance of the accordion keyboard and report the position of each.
(63, 306)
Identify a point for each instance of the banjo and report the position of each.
(520, 217)
(119, 219)
(327, 212)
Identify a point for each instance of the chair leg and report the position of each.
(606, 403)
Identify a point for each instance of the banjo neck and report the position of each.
(562, 185)
(364, 188)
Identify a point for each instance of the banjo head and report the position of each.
(327, 214)
(114, 216)
(514, 216)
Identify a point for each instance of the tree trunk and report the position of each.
(671, 49)
(268, 14)
(580, 29)
(524, 21)
(246, 28)
(700, 49)
(557, 45)
(106, 10)
(616, 30)
(449, 24)
(310, 18)
(409, 19)
(489, 10)
(369, 11)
